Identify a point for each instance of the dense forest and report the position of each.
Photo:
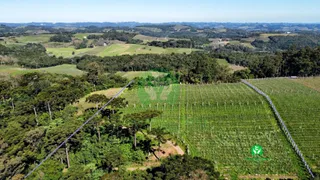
(285, 42)
(293, 62)
(61, 38)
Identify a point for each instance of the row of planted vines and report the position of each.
(221, 123)
(299, 107)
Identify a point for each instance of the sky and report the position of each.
(291, 11)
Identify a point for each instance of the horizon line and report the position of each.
(164, 22)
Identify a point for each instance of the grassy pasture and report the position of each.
(68, 69)
(130, 49)
(21, 40)
(82, 105)
(299, 106)
(220, 122)
(34, 38)
(116, 50)
(67, 51)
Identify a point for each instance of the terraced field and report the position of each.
(221, 122)
(299, 107)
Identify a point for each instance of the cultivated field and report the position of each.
(221, 122)
(299, 107)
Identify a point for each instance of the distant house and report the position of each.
(1, 38)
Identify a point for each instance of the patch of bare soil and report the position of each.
(164, 151)
(236, 67)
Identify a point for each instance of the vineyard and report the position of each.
(299, 107)
(221, 122)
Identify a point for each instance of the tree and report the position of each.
(137, 122)
(94, 71)
(185, 167)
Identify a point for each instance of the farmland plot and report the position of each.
(221, 123)
(299, 107)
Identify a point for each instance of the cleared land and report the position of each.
(299, 106)
(68, 69)
(67, 51)
(311, 82)
(21, 40)
(231, 66)
(82, 105)
(221, 122)
(132, 74)
(116, 50)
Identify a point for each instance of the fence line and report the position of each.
(283, 126)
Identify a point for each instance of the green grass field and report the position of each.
(67, 51)
(221, 123)
(223, 62)
(116, 50)
(130, 49)
(60, 69)
(22, 40)
(299, 106)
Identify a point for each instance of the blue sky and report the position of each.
(160, 11)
